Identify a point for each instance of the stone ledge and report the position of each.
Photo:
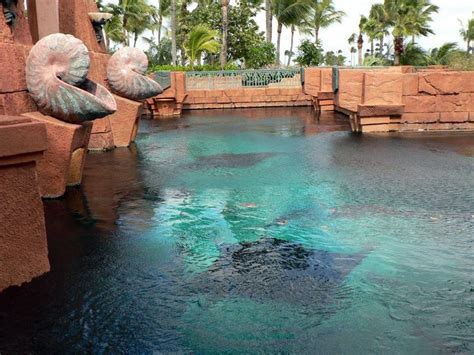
(20, 135)
(380, 110)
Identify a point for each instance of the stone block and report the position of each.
(312, 81)
(374, 120)
(24, 250)
(458, 103)
(74, 20)
(425, 117)
(471, 116)
(383, 88)
(454, 117)
(43, 16)
(380, 110)
(381, 128)
(57, 162)
(101, 134)
(446, 83)
(350, 92)
(420, 103)
(273, 91)
(326, 79)
(20, 32)
(16, 103)
(98, 68)
(12, 77)
(410, 84)
(125, 121)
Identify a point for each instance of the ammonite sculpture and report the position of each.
(126, 75)
(56, 71)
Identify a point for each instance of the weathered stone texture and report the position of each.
(19, 33)
(350, 92)
(446, 83)
(24, 251)
(421, 103)
(125, 121)
(383, 88)
(63, 139)
(74, 20)
(312, 81)
(410, 84)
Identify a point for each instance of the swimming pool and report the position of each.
(258, 231)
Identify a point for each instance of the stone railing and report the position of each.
(235, 79)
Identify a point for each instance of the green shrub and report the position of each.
(461, 61)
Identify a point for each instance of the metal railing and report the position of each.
(233, 79)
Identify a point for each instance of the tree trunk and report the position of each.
(279, 29)
(316, 35)
(173, 32)
(290, 54)
(160, 23)
(381, 46)
(225, 23)
(268, 20)
(468, 50)
(398, 50)
(371, 47)
(135, 39)
(360, 45)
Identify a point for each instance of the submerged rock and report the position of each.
(229, 160)
(278, 270)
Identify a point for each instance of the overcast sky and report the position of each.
(334, 38)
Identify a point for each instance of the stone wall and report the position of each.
(246, 97)
(438, 100)
(400, 98)
(15, 43)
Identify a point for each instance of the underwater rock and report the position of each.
(278, 270)
(229, 160)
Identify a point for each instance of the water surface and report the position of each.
(257, 231)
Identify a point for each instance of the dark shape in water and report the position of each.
(279, 270)
(229, 160)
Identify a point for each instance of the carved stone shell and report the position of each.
(126, 75)
(56, 77)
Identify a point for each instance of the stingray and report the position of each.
(229, 160)
(278, 270)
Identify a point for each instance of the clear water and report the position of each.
(258, 231)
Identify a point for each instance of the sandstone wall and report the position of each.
(246, 97)
(15, 44)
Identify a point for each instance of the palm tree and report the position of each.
(201, 39)
(163, 11)
(129, 17)
(173, 33)
(288, 12)
(360, 38)
(440, 56)
(268, 20)
(408, 18)
(467, 34)
(352, 40)
(225, 23)
(323, 15)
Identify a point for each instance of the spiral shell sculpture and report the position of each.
(56, 71)
(126, 75)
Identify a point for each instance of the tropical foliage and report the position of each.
(212, 33)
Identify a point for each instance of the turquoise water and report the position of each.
(258, 231)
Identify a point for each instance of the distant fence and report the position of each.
(234, 79)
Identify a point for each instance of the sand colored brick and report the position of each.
(458, 117)
(420, 103)
(383, 88)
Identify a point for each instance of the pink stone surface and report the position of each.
(383, 88)
(63, 139)
(24, 251)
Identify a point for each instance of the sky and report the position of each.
(446, 24)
